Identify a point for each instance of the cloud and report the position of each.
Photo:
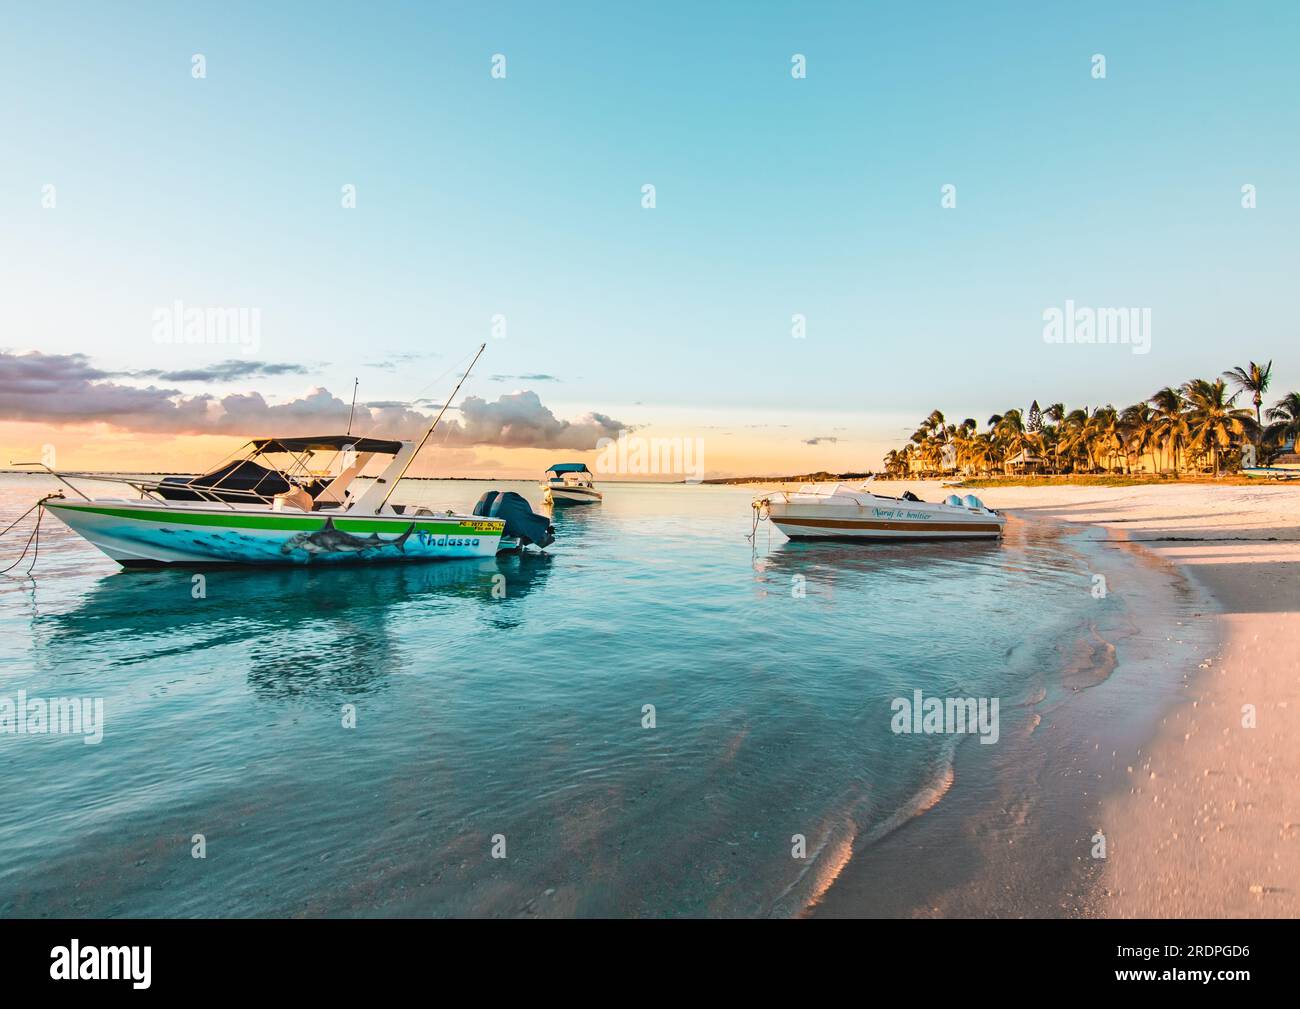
(524, 378)
(43, 372)
(519, 420)
(226, 371)
(68, 389)
(821, 439)
(397, 360)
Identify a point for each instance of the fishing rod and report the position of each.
(352, 413)
(445, 406)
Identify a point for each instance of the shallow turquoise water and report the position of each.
(518, 716)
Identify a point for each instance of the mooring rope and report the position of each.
(759, 515)
(34, 540)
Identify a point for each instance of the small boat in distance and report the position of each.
(840, 512)
(569, 483)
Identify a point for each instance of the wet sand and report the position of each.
(1200, 811)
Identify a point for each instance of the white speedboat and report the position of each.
(292, 501)
(842, 512)
(1281, 472)
(569, 483)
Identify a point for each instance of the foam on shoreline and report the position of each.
(1014, 832)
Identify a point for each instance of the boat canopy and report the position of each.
(243, 480)
(569, 467)
(247, 480)
(323, 443)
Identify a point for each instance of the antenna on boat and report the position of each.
(482, 347)
(355, 383)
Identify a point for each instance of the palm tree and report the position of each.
(899, 461)
(1073, 437)
(1284, 417)
(896, 462)
(1008, 433)
(1171, 421)
(1052, 418)
(929, 440)
(1107, 435)
(1213, 418)
(961, 441)
(1141, 431)
(1254, 380)
(932, 455)
(916, 449)
(983, 452)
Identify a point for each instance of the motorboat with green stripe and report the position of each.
(299, 500)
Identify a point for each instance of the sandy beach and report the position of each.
(1209, 823)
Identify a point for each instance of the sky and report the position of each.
(797, 298)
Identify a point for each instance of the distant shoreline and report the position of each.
(1028, 480)
(819, 477)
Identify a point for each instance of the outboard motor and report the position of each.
(522, 523)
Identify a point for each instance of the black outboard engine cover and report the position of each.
(522, 522)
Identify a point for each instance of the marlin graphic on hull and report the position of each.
(329, 540)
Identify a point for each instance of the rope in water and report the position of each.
(34, 540)
(760, 515)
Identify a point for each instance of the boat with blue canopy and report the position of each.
(569, 483)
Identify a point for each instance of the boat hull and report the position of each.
(805, 522)
(145, 535)
(857, 536)
(1272, 472)
(572, 495)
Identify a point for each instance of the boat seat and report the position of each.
(296, 499)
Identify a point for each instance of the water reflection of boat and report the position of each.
(904, 559)
(318, 630)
